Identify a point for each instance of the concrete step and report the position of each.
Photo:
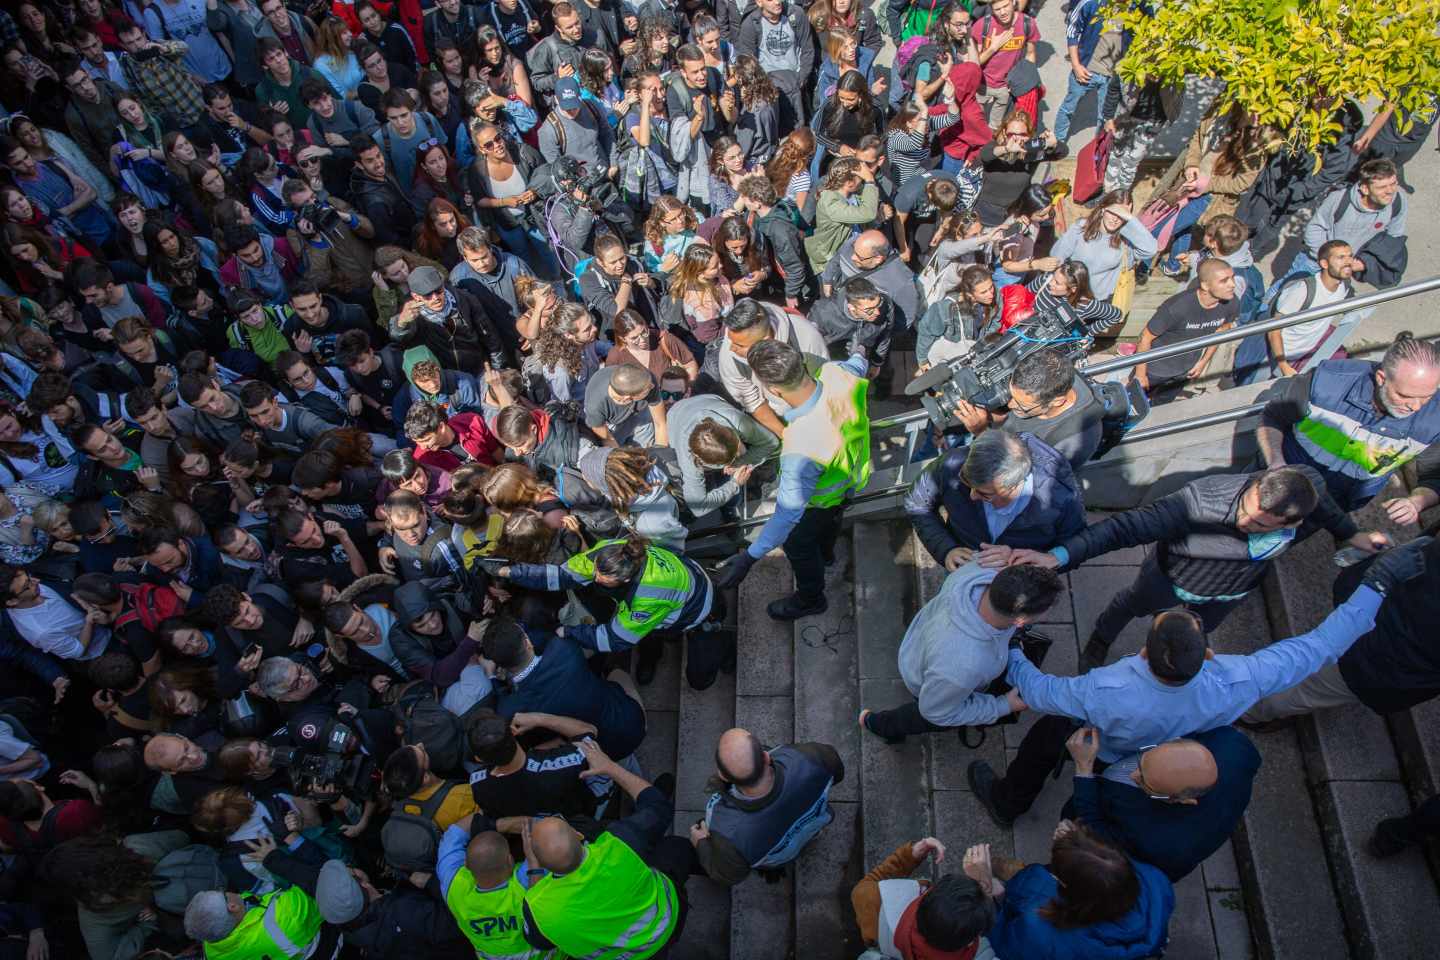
(826, 703)
(1292, 908)
(1391, 907)
(893, 780)
(703, 715)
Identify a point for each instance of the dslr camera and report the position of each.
(342, 769)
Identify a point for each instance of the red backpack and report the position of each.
(149, 604)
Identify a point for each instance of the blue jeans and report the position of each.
(1180, 234)
(1074, 93)
(527, 244)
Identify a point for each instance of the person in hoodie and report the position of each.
(427, 382)
(957, 645)
(710, 435)
(543, 441)
(961, 142)
(430, 634)
(870, 255)
(451, 322)
(1090, 902)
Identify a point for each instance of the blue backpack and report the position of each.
(1252, 357)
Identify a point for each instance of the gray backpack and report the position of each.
(410, 838)
(183, 873)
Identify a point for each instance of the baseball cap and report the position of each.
(425, 281)
(567, 94)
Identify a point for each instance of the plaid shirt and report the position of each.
(165, 86)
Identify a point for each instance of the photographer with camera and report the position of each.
(580, 206)
(1049, 400)
(337, 253)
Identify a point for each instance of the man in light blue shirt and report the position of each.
(1174, 687)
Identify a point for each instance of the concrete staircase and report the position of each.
(1298, 883)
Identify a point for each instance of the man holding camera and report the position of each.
(337, 253)
(1048, 400)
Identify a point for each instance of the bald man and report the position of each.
(1209, 306)
(869, 255)
(484, 889)
(189, 765)
(619, 895)
(767, 805)
(1172, 805)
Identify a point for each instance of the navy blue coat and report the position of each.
(1174, 837)
(563, 684)
(1055, 510)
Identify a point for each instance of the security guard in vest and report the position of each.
(824, 454)
(1357, 422)
(484, 889)
(656, 592)
(621, 895)
(766, 805)
(284, 925)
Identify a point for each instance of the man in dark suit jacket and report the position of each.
(556, 680)
(1171, 806)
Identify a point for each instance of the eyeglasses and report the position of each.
(1140, 775)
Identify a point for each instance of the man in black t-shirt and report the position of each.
(1208, 307)
(514, 782)
(317, 550)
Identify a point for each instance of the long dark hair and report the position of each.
(852, 81)
(1094, 223)
(1244, 139)
(733, 228)
(1097, 883)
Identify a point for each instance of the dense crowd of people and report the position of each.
(366, 367)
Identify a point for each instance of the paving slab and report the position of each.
(827, 694)
(1293, 910)
(703, 716)
(929, 575)
(824, 874)
(1348, 743)
(1231, 927)
(1090, 591)
(948, 757)
(884, 592)
(1220, 870)
(1417, 735)
(961, 822)
(707, 925)
(663, 693)
(656, 752)
(766, 658)
(772, 719)
(1391, 907)
(1035, 829)
(892, 780)
(1191, 935)
(762, 919)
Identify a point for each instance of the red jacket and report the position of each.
(474, 437)
(964, 138)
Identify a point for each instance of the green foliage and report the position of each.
(1284, 60)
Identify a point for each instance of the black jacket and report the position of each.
(390, 208)
(466, 341)
(1197, 544)
(1397, 664)
(440, 658)
(1055, 510)
(786, 247)
(407, 922)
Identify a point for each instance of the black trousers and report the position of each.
(1150, 593)
(902, 721)
(706, 651)
(810, 545)
(1040, 753)
(675, 857)
(1424, 822)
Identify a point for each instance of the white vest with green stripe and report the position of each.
(656, 602)
(285, 926)
(834, 433)
(492, 920)
(613, 907)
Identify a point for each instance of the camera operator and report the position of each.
(338, 255)
(1050, 401)
(581, 204)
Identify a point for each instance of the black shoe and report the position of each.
(1094, 654)
(665, 783)
(794, 607)
(1266, 726)
(646, 664)
(1384, 843)
(982, 783)
(865, 725)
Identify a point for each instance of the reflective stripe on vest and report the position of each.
(492, 919)
(286, 925)
(666, 585)
(1340, 443)
(582, 912)
(835, 434)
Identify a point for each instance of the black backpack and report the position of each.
(411, 838)
(424, 720)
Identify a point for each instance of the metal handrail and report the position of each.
(1211, 339)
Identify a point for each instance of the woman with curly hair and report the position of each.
(108, 881)
(727, 169)
(849, 200)
(951, 325)
(670, 230)
(180, 259)
(757, 125)
(789, 170)
(443, 223)
(568, 352)
(599, 86)
(654, 50)
(698, 299)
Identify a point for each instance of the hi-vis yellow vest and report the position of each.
(835, 433)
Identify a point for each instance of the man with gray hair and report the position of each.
(1003, 492)
(957, 646)
(300, 921)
